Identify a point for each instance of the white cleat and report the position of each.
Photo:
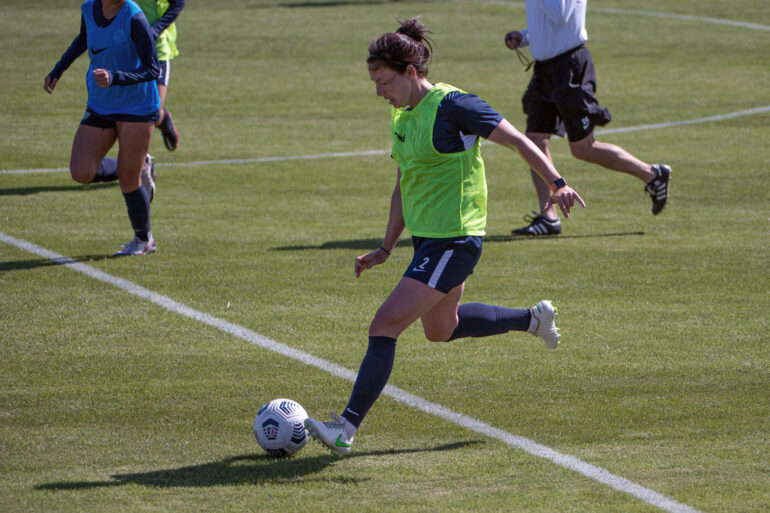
(137, 247)
(545, 313)
(331, 434)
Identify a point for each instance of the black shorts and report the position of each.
(443, 264)
(560, 96)
(92, 118)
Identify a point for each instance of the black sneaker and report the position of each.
(538, 225)
(658, 187)
(170, 135)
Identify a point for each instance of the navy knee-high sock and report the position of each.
(480, 320)
(108, 170)
(138, 206)
(372, 378)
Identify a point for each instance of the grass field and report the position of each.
(110, 402)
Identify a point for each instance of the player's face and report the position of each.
(395, 87)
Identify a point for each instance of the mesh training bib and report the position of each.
(442, 194)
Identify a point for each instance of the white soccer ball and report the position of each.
(280, 427)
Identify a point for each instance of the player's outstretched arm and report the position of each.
(506, 135)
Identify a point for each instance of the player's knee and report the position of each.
(582, 152)
(437, 334)
(81, 174)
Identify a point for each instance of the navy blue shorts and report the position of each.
(443, 264)
(92, 118)
(165, 73)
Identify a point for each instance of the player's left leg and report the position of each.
(134, 140)
(407, 303)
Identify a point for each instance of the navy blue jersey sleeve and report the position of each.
(77, 48)
(461, 119)
(174, 9)
(470, 114)
(145, 47)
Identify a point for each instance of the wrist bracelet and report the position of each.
(558, 184)
(385, 250)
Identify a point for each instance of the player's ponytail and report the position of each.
(409, 44)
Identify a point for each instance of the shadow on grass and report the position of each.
(22, 265)
(240, 470)
(26, 191)
(370, 244)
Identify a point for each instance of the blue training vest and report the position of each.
(112, 48)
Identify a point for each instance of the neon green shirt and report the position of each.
(166, 42)
(442, 194)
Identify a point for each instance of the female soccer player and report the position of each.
(122, 105)
(440, 197)
(161, 14)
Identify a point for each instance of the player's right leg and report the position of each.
(89, 147)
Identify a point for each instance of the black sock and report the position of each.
(372, 378)
(138, 206)
(481, 320)
(108, 171)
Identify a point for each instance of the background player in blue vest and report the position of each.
(441, 197)
(122, 105)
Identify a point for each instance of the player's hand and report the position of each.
(50, 84)
(369, 260)
(565, 198)
(102, 77)
(513, 39)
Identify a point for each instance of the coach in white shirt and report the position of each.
(560, 99)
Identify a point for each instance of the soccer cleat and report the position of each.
(167, 128)
(137, 247)
(658, 187)
(538, 225)
(148, 176)
(331, 434)
(545, 312)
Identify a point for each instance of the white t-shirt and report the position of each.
(554, 26)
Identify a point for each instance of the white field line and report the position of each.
(564, 460)
(365, 153)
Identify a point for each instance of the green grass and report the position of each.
(111, 403)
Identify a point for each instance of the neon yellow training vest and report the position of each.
(166, 43)
(442, 194)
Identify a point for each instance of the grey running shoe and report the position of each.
(538, 225)
(137, 247)
(658, 188)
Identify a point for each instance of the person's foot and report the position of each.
(137, 247)
(545, 313)
(167, 128)
(331, 434)
(538, 225)
(658, 188)
(148, 176)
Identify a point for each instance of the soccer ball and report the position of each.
(280, 427)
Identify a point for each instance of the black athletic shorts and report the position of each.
(560, 96)
(443, 264)
(92, 118)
